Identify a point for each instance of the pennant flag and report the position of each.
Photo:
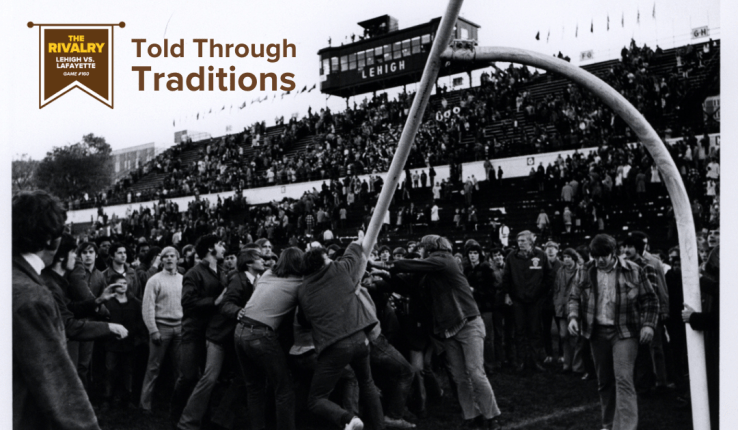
(653, 14)
(576, 31)
(173, 123)
(198, 116)
(608, 22)
(622, 20)
(549, 35)
(312, 88)
(638, 17)
(223, 108)
(211, 110)
(592, 26)
(304, 89)
(538, 36)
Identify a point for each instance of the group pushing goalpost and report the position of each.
(441, 52)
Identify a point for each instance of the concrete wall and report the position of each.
(513, 167)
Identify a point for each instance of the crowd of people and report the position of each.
(362, 139)
(326, 325)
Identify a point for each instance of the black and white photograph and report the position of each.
(375, 215)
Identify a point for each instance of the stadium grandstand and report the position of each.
(513, 113)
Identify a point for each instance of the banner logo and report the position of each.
(76, 56)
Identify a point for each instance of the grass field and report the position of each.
(536, 401)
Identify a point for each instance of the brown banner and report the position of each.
(76, 56)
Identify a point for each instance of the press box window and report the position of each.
(344, 63)
(362, 59)
(397, 50)
(387, 53)
(352, 61)
(416, 45)
(406, 48)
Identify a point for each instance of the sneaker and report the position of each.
(493, 424)
(398, 423)
(354, 424)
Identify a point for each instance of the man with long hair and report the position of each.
(329, 302)
(615, 307)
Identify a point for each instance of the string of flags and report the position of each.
(201, 115)
(591, 24)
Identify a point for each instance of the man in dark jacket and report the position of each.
(456, 320)
(202, 291)
(47, 394)
(526, 278)
(481, 279)
(330, 304)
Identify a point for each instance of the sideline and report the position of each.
(559, 414)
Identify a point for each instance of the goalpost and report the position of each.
(441, 51)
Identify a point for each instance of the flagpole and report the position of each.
(414, 118)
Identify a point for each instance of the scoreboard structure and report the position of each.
(386, 57)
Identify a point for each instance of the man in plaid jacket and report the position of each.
(616, 307)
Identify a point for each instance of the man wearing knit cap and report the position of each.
(162, 314)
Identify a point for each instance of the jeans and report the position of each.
(347, 388)
(570, 346)
(489, 340)
(504, 338)
(263, 361)
(191, 356)
(547, 320)
(171, 339)
(84, 361)
(387, 361)
(614, 360)
(528, 330)
(465, 353)
(118, 373)
(197, 405)
(354, 351)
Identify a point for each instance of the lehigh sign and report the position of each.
(76, 56)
